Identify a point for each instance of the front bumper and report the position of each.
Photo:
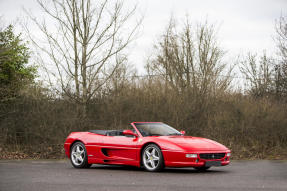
(178, 159)
(190, 164)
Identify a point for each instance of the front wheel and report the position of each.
(152, 158)
(79, 157)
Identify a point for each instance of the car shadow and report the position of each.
(192, 170)
(115, 167)
(165, 170)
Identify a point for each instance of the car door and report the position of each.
(93, 143)
(120, 148)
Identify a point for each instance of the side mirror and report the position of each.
(129, 132)
(182, 132)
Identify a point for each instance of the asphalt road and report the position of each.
(43, 175)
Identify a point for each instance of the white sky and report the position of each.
(244, 25)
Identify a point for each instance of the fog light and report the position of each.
(191, 155)
(228, 154)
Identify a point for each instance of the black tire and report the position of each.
(146, 160)
(202, 168)
(75, 162)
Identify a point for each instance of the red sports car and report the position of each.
(153, 145)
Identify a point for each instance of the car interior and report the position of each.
(111, 132)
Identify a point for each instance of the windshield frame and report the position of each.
(134, 124)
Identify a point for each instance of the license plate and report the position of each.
(213, 163)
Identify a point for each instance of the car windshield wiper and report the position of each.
(174, 134)
(154, 134)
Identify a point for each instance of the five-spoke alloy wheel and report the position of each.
(79, 157)
(152, 158)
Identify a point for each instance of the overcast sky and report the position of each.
(244, 25)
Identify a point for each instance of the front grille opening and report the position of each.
(211, 156)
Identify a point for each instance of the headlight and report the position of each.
(228, 154)
(191, 155)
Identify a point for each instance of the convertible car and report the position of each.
(152, 145)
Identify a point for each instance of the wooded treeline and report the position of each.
(187, 85)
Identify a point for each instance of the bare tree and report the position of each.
(86, 48)
(281, 67)
(259, 74)
(191, 60)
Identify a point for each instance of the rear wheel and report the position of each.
(79, 157)
(152, 158)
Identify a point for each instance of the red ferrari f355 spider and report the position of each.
(153, 145)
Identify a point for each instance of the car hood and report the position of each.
(189, 143)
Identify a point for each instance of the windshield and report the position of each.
(156, 129)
